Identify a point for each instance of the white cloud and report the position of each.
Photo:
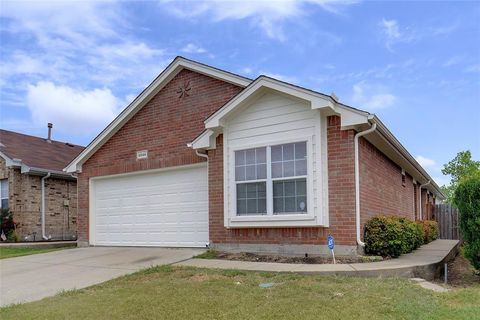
(246, 70)
(371, 97)
(473, 68)
(71, 45)
(281, 77)
(455, 60)
(328, 66)
(71, 110)
(391, 29)
(425, 162)
(78, 41)
(21, 63)
(192, 48)
(266, 14)
(441, 180)
(434, 169)
(394, 34)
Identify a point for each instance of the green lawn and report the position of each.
(17, 252)
(189, 293)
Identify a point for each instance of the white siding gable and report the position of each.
(271, 119)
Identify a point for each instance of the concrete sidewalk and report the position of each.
(425, 262)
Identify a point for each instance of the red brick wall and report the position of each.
(163, 127)
(428, 206)
(381, 188)
(341, 199)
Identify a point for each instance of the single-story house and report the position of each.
(41, 196)
(207, 157)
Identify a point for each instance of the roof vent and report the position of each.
(49, 139)
(69, 144)
(334, 96)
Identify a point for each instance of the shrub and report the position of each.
(412, 235)
(392, 236)
(429, 230)
(7, 225)
(467, 199)
(383, 236)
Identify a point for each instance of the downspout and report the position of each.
(43, 206)
(420, 192)
(203, 155)
(357, 181)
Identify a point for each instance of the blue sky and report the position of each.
(415, 64)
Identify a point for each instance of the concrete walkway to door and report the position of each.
(425, 262)
(34, 277)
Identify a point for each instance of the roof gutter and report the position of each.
(357, 181)
(40, 171)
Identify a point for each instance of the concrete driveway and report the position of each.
(37, 276)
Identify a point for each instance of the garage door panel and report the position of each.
(168, 208)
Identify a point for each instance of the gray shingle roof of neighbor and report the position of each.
(37, 152)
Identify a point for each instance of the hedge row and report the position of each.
(393, 236)
(467, 199)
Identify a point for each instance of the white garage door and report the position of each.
(163, 208)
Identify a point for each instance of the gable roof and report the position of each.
(36, 153)
(177, 65)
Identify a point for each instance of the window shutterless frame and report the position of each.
(4, 193)
(271, 216)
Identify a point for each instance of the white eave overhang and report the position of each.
(205, 141)
(177, 65)
(9, 162)
(260, 85)
(41, 172)
(25, 169)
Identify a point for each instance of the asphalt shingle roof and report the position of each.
(36, 152)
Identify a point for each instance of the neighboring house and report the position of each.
(203, 156)
(42, 197)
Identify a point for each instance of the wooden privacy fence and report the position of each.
(447, 219)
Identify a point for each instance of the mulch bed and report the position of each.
(252, 257)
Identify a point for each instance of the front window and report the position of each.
(272, 180)
(251, 179)
(4, 193)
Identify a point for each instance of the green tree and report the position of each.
(460, 168)
(467, 199)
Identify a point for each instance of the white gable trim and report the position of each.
(206, 140)
(10, 162)
(168, 74)
(318, 101)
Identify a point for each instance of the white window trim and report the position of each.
(7, 197)
(304, 219)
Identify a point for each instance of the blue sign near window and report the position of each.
(330, 242)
